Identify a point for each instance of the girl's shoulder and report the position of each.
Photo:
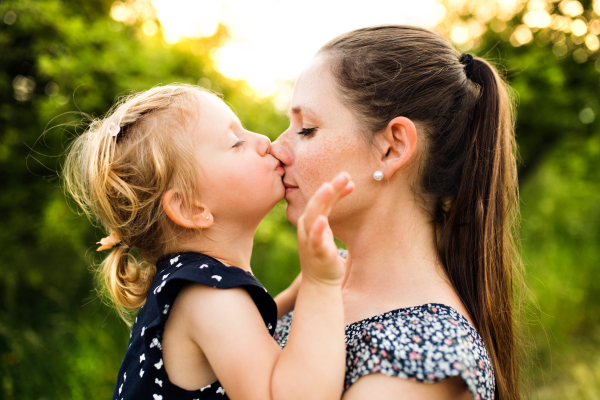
(177, 270)
(427, 343)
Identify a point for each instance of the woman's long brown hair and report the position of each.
(467, 176)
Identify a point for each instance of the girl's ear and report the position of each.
(196, 216)
(399, 142)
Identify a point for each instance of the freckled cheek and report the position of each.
(315, 165)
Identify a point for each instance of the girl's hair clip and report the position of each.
(114, 129)
(109, 242)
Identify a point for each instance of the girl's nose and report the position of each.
(263, 145)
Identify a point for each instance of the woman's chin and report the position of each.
(292, 213)
(289, 191)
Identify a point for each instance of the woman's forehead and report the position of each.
(314, 93)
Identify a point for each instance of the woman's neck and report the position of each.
(392, 263)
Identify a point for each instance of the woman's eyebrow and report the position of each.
(299, 110)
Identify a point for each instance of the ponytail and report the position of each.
(477, 235)
(126, 280)
(467, 175)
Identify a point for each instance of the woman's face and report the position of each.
(322, 141)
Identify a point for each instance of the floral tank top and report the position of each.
(426, 343)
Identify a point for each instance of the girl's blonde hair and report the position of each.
(119, 182)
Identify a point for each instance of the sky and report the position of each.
(272, 40)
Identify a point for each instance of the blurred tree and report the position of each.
(549, 52)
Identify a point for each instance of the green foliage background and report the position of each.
(57, 340)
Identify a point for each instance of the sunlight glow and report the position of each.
(268, 42)
(272, 40)
(190, 18)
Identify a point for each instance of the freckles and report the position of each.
(321, 160)
(314, 165)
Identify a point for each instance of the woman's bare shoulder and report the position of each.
(379, 386)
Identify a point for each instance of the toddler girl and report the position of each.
(182, 187)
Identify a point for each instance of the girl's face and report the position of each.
(240, 179)
(322, 141)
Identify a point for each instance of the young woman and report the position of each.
(427, 135)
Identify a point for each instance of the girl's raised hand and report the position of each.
(318, 252)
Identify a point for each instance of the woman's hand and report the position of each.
(318, 252)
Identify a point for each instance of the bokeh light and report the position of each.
(578, 27)
(572, 8)
(150, 28)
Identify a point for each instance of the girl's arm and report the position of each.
(229, 330)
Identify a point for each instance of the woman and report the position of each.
(427, 135)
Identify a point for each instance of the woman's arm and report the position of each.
(286, 300)
(383, 387)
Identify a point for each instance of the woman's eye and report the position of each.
(238, 143)
(307, 131)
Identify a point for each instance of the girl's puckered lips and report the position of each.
(279, 168)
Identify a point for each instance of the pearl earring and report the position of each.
(378, 175)
(206, 216)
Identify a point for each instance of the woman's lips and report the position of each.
(289, 188)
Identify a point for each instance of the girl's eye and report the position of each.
(238, 143)
(307, 131)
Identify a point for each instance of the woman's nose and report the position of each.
(280, 149)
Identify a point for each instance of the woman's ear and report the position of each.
(193, 217)
(399, 142)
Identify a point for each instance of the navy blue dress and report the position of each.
(142, 374)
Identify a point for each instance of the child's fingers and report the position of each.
(339, 184)
(349, 188)
(325, 197)
(316, 235)
(316, 205)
